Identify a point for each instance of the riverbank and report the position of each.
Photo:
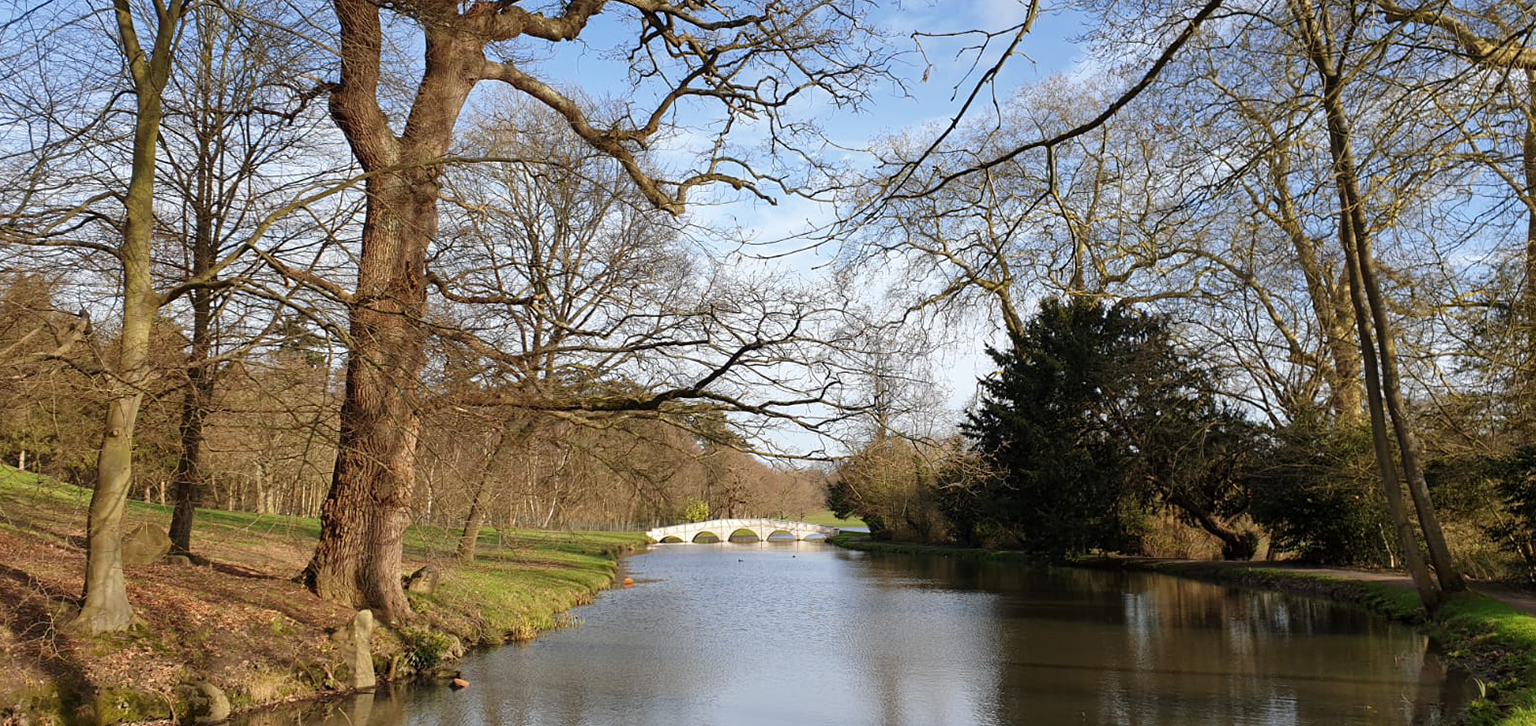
(862, 542)
(1496, 641)
(237, 620)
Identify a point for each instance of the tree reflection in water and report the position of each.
(768, 634)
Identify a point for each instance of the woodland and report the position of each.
(1255, 277)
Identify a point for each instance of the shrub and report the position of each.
(1320, 497)
(425, 648)
(894, 486)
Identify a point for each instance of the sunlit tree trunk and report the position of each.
(478, 504)
(1377, 352)
(1347, 178)
(106, 605)
(357, 560)
(363, 518)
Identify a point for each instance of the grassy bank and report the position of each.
(1492, 639)
(239, 621)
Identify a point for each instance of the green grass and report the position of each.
(522, 582)
(26, 497)
(827, 519)
(29, 499)
(1505, 640)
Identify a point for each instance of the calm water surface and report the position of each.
(804, 633)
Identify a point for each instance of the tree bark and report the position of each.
(364, 517)
(357, 560)
(1347, 179)
(1451, 580)
(1413, 560)
(106, 606)
(1350, 228)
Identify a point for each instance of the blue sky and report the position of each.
(951, 70)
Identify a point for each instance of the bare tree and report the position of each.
(1328, 54)
(236, 133)
(747, 63)
(106, 597)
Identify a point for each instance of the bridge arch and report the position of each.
(763, 529)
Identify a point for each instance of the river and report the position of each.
(807, 633)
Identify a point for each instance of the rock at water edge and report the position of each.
(354, 640)
(206, 703)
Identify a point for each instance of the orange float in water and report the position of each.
(629, 582)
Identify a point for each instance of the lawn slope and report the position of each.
(239, 620)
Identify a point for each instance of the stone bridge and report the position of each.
(722, 529)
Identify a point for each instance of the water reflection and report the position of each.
(383, 708)
(775, 633)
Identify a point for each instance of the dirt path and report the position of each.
(1515, 596)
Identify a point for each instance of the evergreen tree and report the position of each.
(1056, 490)
(1092, 420)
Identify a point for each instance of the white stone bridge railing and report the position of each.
(723, 528)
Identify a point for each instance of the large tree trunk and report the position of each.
(1451, 580)
(364, 517)
(106, 596)
(1413, 559)
(1347, 179)
(1350, 228)
(357, 560)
